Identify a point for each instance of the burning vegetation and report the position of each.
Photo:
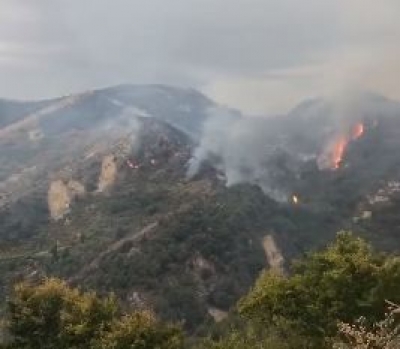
(358, 130)
(333, 156)
(338, 151)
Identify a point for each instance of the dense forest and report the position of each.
(100, 195)
(344, 296)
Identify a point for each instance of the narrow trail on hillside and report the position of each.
(117, 245)
(94, 264)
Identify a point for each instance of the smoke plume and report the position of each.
(245, 150)
(271, 151)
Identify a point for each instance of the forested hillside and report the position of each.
(176, 204)
(333, 298)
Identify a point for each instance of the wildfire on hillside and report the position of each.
(333, 156)
(338, 151)
(358, 131)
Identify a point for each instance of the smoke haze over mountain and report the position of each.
(270, 152)
(260, 56)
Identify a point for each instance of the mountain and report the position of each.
(95, 189)
(13, 111)
(42, 136)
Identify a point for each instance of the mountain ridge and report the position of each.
(108, 172)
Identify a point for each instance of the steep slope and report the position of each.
(185, 109)
(13, 111)
(38, 138)
(98, 194)
(181, 247)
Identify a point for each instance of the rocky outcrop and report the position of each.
(58, 199)
(61, 195)
(274, 255)
(108, 173)
(76, 188)
(217, 314)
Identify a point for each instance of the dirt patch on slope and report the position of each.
(58, 199)
(108, 173)
(61, 195)
(217, 314)
(273, 253)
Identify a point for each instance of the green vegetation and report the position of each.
(312, 308)
(205, 250)
(52, 315)
(141, 331)
(384, 334)
(248, 337)
(343, 283)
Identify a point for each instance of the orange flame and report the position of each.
(339, 147)
(338, 151)
(358, 130)
(295, 199)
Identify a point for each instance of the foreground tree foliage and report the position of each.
(384, 334)
(140, 330)
(249, 336)
(342, 283)
(347, 283)
(53, 315)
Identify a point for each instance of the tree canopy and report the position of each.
(341, 283)
(313, 307)
(54, 315)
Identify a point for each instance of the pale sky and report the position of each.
(261, 56)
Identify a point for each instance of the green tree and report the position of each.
(248, 337)
(341, 283)
(384, 334)
(52, 315)
(140, 330)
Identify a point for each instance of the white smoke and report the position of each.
(125, 127)
(241, 148)
(270, 151)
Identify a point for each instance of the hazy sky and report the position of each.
(262, 56)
